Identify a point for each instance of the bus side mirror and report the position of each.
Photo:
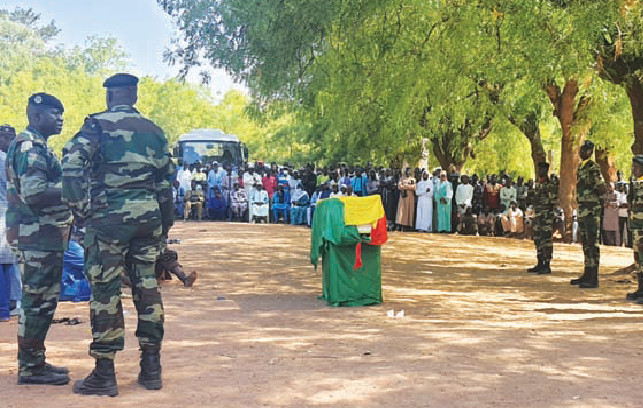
(175, 152)
(245, 153)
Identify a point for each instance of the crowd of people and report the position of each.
(414, 199)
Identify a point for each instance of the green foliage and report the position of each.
(32, 63)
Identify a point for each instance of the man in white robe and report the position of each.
(463, 195)
(424, 191)
(260, 207)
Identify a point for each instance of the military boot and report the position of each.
(591, 280)
(638, 294)
(536, 268)
(545, 269)
(45, 375)
(101, 381)
(578, 281)
(150, 375)
(56, 369)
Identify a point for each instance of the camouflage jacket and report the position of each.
(545, 196)
(636, 212)
(32, 169)
(118, 167)
(589, 184)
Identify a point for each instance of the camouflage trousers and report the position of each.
(542, 228)
(41, 275)
(106, 260)
(637, 240)
(589, 225)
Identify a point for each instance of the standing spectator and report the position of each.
(309, 179)
(507, 194)
(492, 194)
(390, 196)
(610, 217)
(464, 195)
(7, 257)
(477, 201)
(406, 206)
(323, 177)
(521, 192)
(359, 183)
(424, 191)
(269, 182)
(184, 177)
(621, 201)
(445, 195)
(373, 186)
(436, 184)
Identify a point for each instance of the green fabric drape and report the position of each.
(335, 243)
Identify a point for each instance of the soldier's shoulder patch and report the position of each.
(26, 146)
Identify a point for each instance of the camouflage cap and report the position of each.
(120, 81)
(638, 159)
(588, 145)
(46, 100)
(7, 129)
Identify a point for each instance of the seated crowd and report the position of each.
(443, 202)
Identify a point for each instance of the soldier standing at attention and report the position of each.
(122, 159)
(545, 199)
(38, 226)
(636, 223)
(590, 188)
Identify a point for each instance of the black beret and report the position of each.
(8, 129)
(543, 165)
(588, 144)
(120, 80)
(638, 159)
(46, 100)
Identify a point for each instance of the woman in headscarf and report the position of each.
(406, 208)
(445, 195)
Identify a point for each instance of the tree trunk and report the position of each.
(564, 103)
(635, 93)
(530, 127)
(606, 163)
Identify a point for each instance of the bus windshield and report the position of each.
(207, 152)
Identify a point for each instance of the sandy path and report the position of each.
(477, 331)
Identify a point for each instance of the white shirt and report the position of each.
(621, 198)
(464, 194)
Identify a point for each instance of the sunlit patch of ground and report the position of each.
(477, 330)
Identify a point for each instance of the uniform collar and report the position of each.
(122, 108)
(584, 162)
(36, 136)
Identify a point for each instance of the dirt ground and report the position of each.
(477, 330)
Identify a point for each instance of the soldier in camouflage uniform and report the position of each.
(590, 188)
(38, 226)
(636, 222)
(122, 160)
(545, 199)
